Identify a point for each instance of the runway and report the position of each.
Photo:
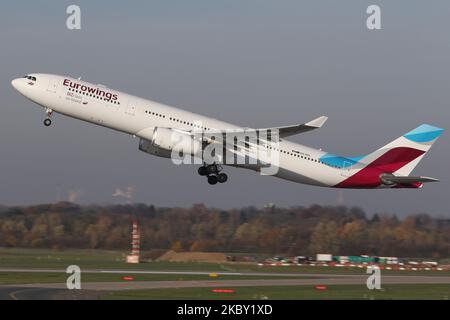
(219, 273)
(20, 293)
(163, 272)
(92, 290)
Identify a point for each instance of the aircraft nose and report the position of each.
(15, 83)
(20, 85)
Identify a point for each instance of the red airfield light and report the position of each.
(128, 278)
(321, 287)
(222, 291)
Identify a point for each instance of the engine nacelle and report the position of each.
(165, 142)
(148, 147)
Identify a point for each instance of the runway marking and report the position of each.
(29, 290)
(13, 294)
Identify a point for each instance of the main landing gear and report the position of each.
(212, 172)
(47, 120)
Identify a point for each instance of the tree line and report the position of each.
(338, 230)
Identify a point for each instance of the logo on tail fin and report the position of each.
(423, 134)
(399, 158)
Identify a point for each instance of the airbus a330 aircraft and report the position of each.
(154, 124)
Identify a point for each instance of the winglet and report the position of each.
(318, 122)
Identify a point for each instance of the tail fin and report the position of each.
(402, 155)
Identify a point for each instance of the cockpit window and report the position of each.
(30, 78)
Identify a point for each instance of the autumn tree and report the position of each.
(325, 238)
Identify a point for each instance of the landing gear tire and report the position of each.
(47, 122)
(211, 169)
(222, 177)
(202, 171)
(212, 179)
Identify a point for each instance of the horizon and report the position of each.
(261, 207)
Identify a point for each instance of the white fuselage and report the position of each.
(131, 115)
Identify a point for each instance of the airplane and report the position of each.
(155, 123)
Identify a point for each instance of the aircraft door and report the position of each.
(52, 85)
(131, 107)
(346, 169)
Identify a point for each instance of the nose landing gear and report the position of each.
(47, 120)
(213, 174)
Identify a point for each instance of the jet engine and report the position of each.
(165, 142)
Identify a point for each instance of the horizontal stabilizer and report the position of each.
(391, 179)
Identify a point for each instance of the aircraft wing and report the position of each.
(284, 131)
(287, 131)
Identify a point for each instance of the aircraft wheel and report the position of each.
(212, 169)
(212, 179)
(202, 171)
(222, 177)
(47, 122)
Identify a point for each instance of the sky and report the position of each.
(255, 63)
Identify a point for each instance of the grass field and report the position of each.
(103, 259)
(433, 292)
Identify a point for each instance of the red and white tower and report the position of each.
(133, 257)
